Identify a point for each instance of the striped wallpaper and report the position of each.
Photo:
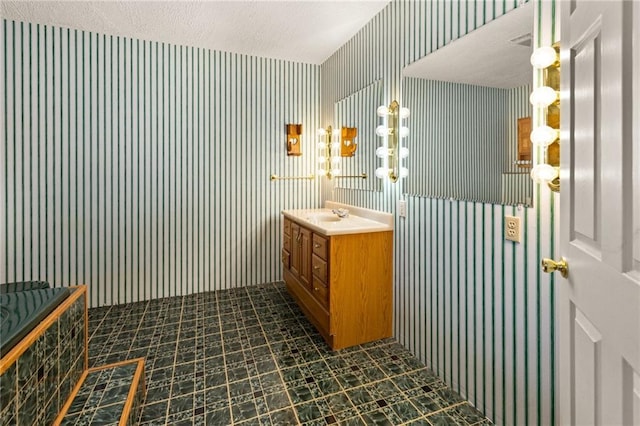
(348, 113)
(473, 307)
(142, 168)
(462, 139)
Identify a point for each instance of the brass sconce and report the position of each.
(349, 145)
(294, 131)
(328, 152)
(547, 136)
(391, 152)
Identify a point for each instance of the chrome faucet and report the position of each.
(342, 213)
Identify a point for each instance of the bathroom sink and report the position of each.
(323, 217)
(325, 222)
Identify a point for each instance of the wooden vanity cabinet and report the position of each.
(343, 283)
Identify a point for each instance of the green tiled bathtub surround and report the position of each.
(249, 357)
(36, 385)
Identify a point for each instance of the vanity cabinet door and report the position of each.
(295, 243)
(305, 257)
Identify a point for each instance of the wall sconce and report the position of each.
(391, 152)
(349, 145)
(547, 136)
(328, 152)
(294, 131)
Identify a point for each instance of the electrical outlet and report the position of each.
(512, 228)
(402, 208)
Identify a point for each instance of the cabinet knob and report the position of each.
(316, 245)
(316, 267)
(316, 289)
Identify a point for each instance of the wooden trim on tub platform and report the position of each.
(137, 377)
(29, 339)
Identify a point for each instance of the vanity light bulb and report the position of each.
(543, 57)
(321, 160)
(544, 136)
(382, 172)
(543, 173)
(322, 172)
(404, 152)
(322, 145)
(335, 172)
(404, 132)
(335, 133)
(322, 132)
(335, 145)
(335, 161)
(543, 96)
(404, 112)
(382, 152)
(382, 111)
(404, 172)
(382, 131)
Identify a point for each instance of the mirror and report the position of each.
(470, 115)
(358, 111)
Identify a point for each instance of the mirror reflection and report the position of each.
(356, 118)
(470, 115)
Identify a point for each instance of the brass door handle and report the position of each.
(550, 266)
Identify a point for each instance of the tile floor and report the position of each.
(248, 356)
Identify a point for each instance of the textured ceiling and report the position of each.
(302, 31)
(486, 56)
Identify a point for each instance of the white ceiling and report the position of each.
(484, 57)
(301, 31)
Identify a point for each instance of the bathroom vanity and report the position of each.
(339, 271)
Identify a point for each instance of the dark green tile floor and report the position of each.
(248, 356)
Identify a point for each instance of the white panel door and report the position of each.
(599, 303)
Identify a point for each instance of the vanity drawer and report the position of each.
(286, 243)
(287, 227)
(319, 268)
(285, 259)
(320, 246)
(321, 292)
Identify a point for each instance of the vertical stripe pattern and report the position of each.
(142, 168)
(349, 113)
(463, 141)
(473, 307)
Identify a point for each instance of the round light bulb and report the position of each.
(382, 152)
(543, 57)
(335, 145)
(335, 172)
(335, 133)
(382, 131)
(404, 132)
(543, 173)
(321, 172)
(322, 132)
(321, 145)
(404, 172)
(544, 136)
(404, 112)
(382, 172)
(543, 96)
(404, 152)
(335, 161)
(321, 160)
(382, 111)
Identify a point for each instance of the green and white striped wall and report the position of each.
(473, 307)
(142, 168)
(463, 138)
